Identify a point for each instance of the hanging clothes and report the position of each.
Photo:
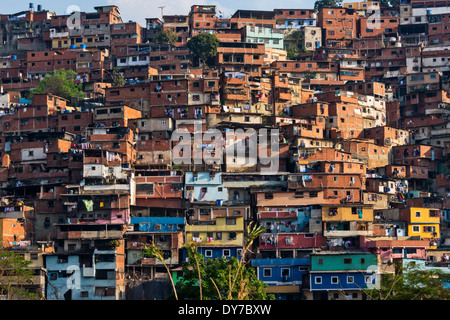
(89, 204)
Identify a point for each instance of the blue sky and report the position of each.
(138, 10)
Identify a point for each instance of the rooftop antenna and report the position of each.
(162, 11)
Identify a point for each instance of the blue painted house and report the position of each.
(157, 224)
(165, 232)
(205, 187)
(84, 276)
(339, 276)
(284, 276)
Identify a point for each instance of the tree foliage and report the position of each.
(15, 276)
(153, 251)
(296, 48)
(165, 37)
(217, 279)
(61, 83)
(319, 4)
(412, 282)
(204, 46)
(118, 77)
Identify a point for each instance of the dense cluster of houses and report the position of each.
(362, 152)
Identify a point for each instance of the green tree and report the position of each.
(204, 47)
(15, 276)
(295, 36)
(222, 279)
(118, 77)
(412, 282)
(61, 83)
(295, 48)
(153, 251)
(165, 37)
(319, 4)
(218, 279)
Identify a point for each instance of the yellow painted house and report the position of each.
(226, 231)
(352, 212)
(423, 222)
(64, 42)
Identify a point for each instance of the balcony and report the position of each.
(148, 261)
(112, 188)
(277, 215)
(88, 272)
(347, 233)
(87, 235)
(236, 96)
(284, 96)
(13, 212)
(54, 34)
(440, 132)
(290, 241)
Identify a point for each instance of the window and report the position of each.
(230, 221)
(417, 214)
(267, 272)
(285, 272)
(226, 253)
(434, 213)
(350, 279)
(416, 228)
(208, 253)
(232, 236)
(268, 196)
(334, 280)
(320, 261)
(347, 261)
(318, 280)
